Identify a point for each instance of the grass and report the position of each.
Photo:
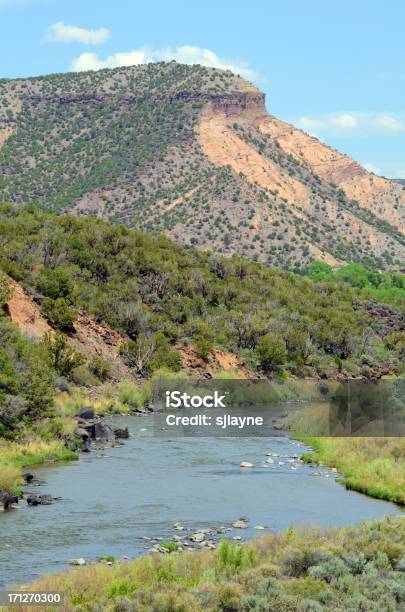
(16, 456)
(375, 466)
(112, 398)
(345, 569)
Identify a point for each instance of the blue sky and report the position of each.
(336, 69)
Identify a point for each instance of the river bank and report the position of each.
(374, 466)
(351, 568)
(55, 439)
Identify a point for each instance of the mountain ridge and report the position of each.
(191, 152)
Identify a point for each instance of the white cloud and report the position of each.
(61, 33)
(388, 123)
(344, 121)
(185, 54)
(91, 61)
(353, 123)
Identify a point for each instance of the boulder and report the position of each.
(77, 561)
(240, 524)
(122, 434)
(179, 526)
(87, 412)
(28, 477)
(80, 432)
(198, 537)
(103, 432)
(8, 499)
(39, 500)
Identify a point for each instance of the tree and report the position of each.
(319, 270)
(272, 351)
(149, 353)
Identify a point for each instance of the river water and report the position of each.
(144, 487)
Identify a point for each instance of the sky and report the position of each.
(335, 69)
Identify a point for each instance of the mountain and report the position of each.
(191, 152)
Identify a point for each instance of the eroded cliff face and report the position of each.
(384, 198)
(224, 146)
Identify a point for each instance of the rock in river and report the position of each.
(77, 561)
(199, 536)
(240, 524)
(39, 500)
(121, 433)
(8, 499)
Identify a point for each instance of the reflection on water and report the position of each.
(143, 488)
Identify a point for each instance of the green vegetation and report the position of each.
(34, 446)
(26, 385)
(385, 287)
(162, 295)
(30, 429)
(346, 569)
(375, 466)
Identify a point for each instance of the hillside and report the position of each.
(170, 305)
(191, 152)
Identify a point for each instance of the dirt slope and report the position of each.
(92, 338)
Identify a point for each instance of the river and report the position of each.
(142, 488)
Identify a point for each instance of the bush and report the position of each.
(83, 377)
(26, 379)
(63, 357)
(329, 570)
(203, 347)
(100, 368)
(59, 313)
(55, 283)
(232, 558)
(297, 561)
(272, 351)
(149, 353)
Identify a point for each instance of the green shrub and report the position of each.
(100, 367)
(272, 351)
(59, 313)
(63, 357)
(203, 347)
(55, 283)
